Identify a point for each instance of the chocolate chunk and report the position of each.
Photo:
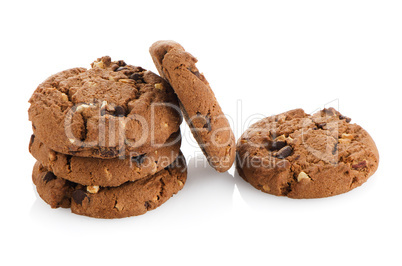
(362, 164)
(276, 145)
(120, 69)
(79, 196)
(136, 77)
(49, 176)
(138, 159)
(342, 117)
(284, 152)
(119, 111)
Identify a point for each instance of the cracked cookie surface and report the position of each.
(129, 199)
(107, 173)
(200, 108)
(109, 109)
(298, 155)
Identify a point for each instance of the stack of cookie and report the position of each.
(106, 140)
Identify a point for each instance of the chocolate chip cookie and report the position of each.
(105, 172)
(200, 108)
(129, 199)
(306, 156)
(105, 111)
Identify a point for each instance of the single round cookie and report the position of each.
(200, 108)
(129, 199)
(106, 173)
(306, 156)
(105, 111)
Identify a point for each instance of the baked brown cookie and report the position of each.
(105, 111)
(129, 199)
(200, 108)
(306, 156)
(106, 173)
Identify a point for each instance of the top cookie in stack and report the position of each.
(106, 111)
(107, 140)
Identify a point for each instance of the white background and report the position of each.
(261, 58)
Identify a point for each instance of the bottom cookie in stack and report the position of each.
(129, 199)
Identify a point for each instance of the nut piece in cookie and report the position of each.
(298, 155)
(200, 108)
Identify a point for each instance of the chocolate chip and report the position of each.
(121, 63)
(335, 149)
(276, 145)
(139, 69)
(146, 205)
(207, 119)
(31, 141)
(284, 152)
(138, 159)
(119, 111)
(120, 69)
(136, 77)
(347, 119)
(207, 125)
(330, 111)
(79, 196)
(321, 125)
(49, 176)
(196, 73)
(360, 165)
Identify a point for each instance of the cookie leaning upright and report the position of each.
(105, 111)
(201, 110)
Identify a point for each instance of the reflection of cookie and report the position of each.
(209, 126)
(306, 156)
(110, 172)
(129, 199)
(104, 111)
